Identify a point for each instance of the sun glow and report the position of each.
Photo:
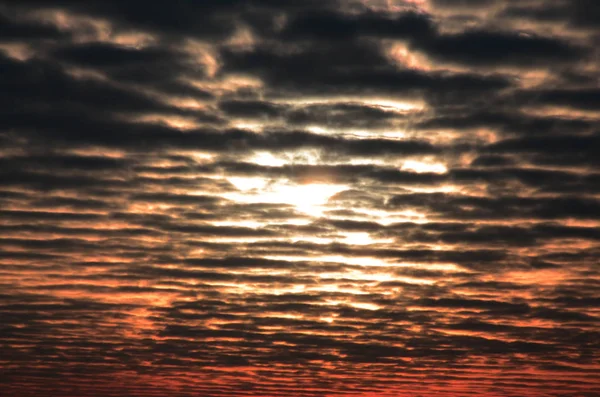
(267, 159)
(422, 166)
(359, 261)
(362, 238)
(309, 198)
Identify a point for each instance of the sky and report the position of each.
(264, 198)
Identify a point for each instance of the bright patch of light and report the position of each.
(290, 316)
(202, 157)
(364, 305)
(355, 238)
(296, 221)
(402, 55)
(240, 223)
(307, 198)
(357, 275)
(338, 289)
(364, 161)
(444, 267)
(246, 125)
(357, 305)
(177, 122)
(267, 159)
(204, 55)
(278, 159)
(420, 166)
(315, 129)
(434, 189)
(17, 51)
(393, 134)
(359, 261)
(390, 103)
(362, 238)
(187, 103)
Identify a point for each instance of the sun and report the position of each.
(309, 198)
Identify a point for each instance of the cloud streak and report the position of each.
(332, 198)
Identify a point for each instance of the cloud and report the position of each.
(302, 198)
(481, 47)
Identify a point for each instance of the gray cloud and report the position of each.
(299, 198)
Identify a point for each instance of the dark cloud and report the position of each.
(580, 14)
(253, 109)
(353, 69)
(480, 47)
(467, 207)
(336, 26)
(588, 99)
(12, 30)
(299, 198)
(106, 55)
(32, 85)
(184, 17)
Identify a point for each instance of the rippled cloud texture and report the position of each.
(299, 198)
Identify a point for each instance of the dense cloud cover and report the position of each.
(299, 198)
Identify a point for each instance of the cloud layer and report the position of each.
(300, 198)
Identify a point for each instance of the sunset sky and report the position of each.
(303, 198)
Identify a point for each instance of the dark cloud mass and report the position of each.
(299, 198)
